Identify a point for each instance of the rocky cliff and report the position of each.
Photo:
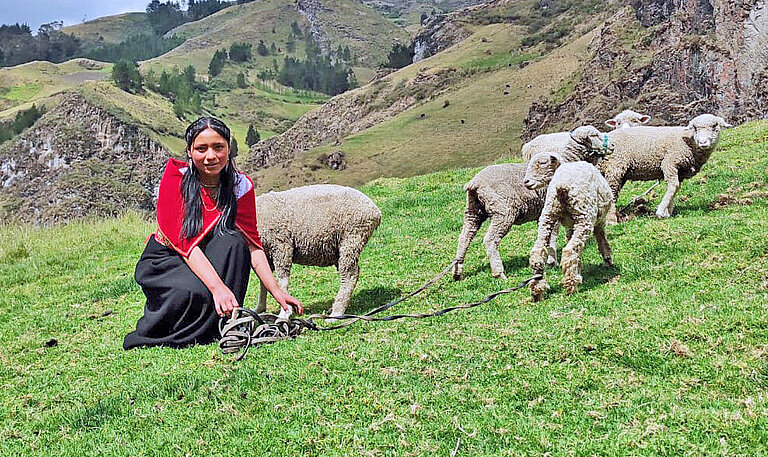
(672, 60)
(78, 160)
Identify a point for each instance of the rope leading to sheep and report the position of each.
(247, 328)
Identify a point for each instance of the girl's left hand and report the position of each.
(287, 302)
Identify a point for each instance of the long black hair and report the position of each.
(191, 187)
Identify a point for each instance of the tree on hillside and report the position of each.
(189, 75)
(217, 62)
(127, 77)
(164, 16)
(262, 48)
(240, 52)
(273, 48)
(252, 137)
(399, 56)
(241, 82)
(198, 9)
(233, 148)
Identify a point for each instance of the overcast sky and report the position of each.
(36, 12)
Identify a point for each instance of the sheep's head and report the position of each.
(705, 130)
(541, 168)
(595, 143)
(627, 118)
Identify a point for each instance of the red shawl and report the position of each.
(170, 211)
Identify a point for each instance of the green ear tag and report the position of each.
(605, 143)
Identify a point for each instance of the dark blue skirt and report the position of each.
(180, 310)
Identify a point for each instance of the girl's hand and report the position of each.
(287, 302)
(224, 301)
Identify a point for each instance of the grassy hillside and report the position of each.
(110, 29)
(481, 123)
(664, 355)
(342, 22)
(37, 82)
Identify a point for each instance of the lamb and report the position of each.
(626, 119)
(497, 192)
(670, 153)
(319, 225)
(578, 197)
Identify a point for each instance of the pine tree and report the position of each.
(241, 80)
(233, 148)
(217, 62)
(252, 137)
(127, 76)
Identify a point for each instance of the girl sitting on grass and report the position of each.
(195, 268)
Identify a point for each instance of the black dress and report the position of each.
(180, 310)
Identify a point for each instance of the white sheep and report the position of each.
(579, 198)
(581, 143)
(497, 192)
(670, 153)
(563, 142)
(626, 119)
(319, 225)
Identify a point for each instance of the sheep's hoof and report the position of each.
(663, 214)
(538, 289)
(334, 315)
(572, 285)
(500, 276)
(552, 262)
(458, 273)
(609, 264)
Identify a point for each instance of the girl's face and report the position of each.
(209, 153)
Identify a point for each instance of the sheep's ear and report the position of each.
(611, 123)
(553, 159)
(645, 119)
(724, 124)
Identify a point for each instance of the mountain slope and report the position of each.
(90, 155)
(331, 22)
(37, 82)
(110, 29)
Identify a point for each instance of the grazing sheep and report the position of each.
(579, 198)
(670, 153)
(497, 192)
(320, 225)
(626, 119)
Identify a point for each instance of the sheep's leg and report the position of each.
(552, 250)
(603, 246)
(548, 221)
(349, 272)
(262, 306)
(474, 216)
(571, 258)
(282, 259)
(616, 181)
(500, 225)
(673, 185)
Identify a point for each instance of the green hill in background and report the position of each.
(110, 29)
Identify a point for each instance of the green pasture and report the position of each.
(666, 354)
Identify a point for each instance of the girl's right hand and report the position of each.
(224, 301)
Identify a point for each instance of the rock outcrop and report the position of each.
(78, 160)
(672, 60)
